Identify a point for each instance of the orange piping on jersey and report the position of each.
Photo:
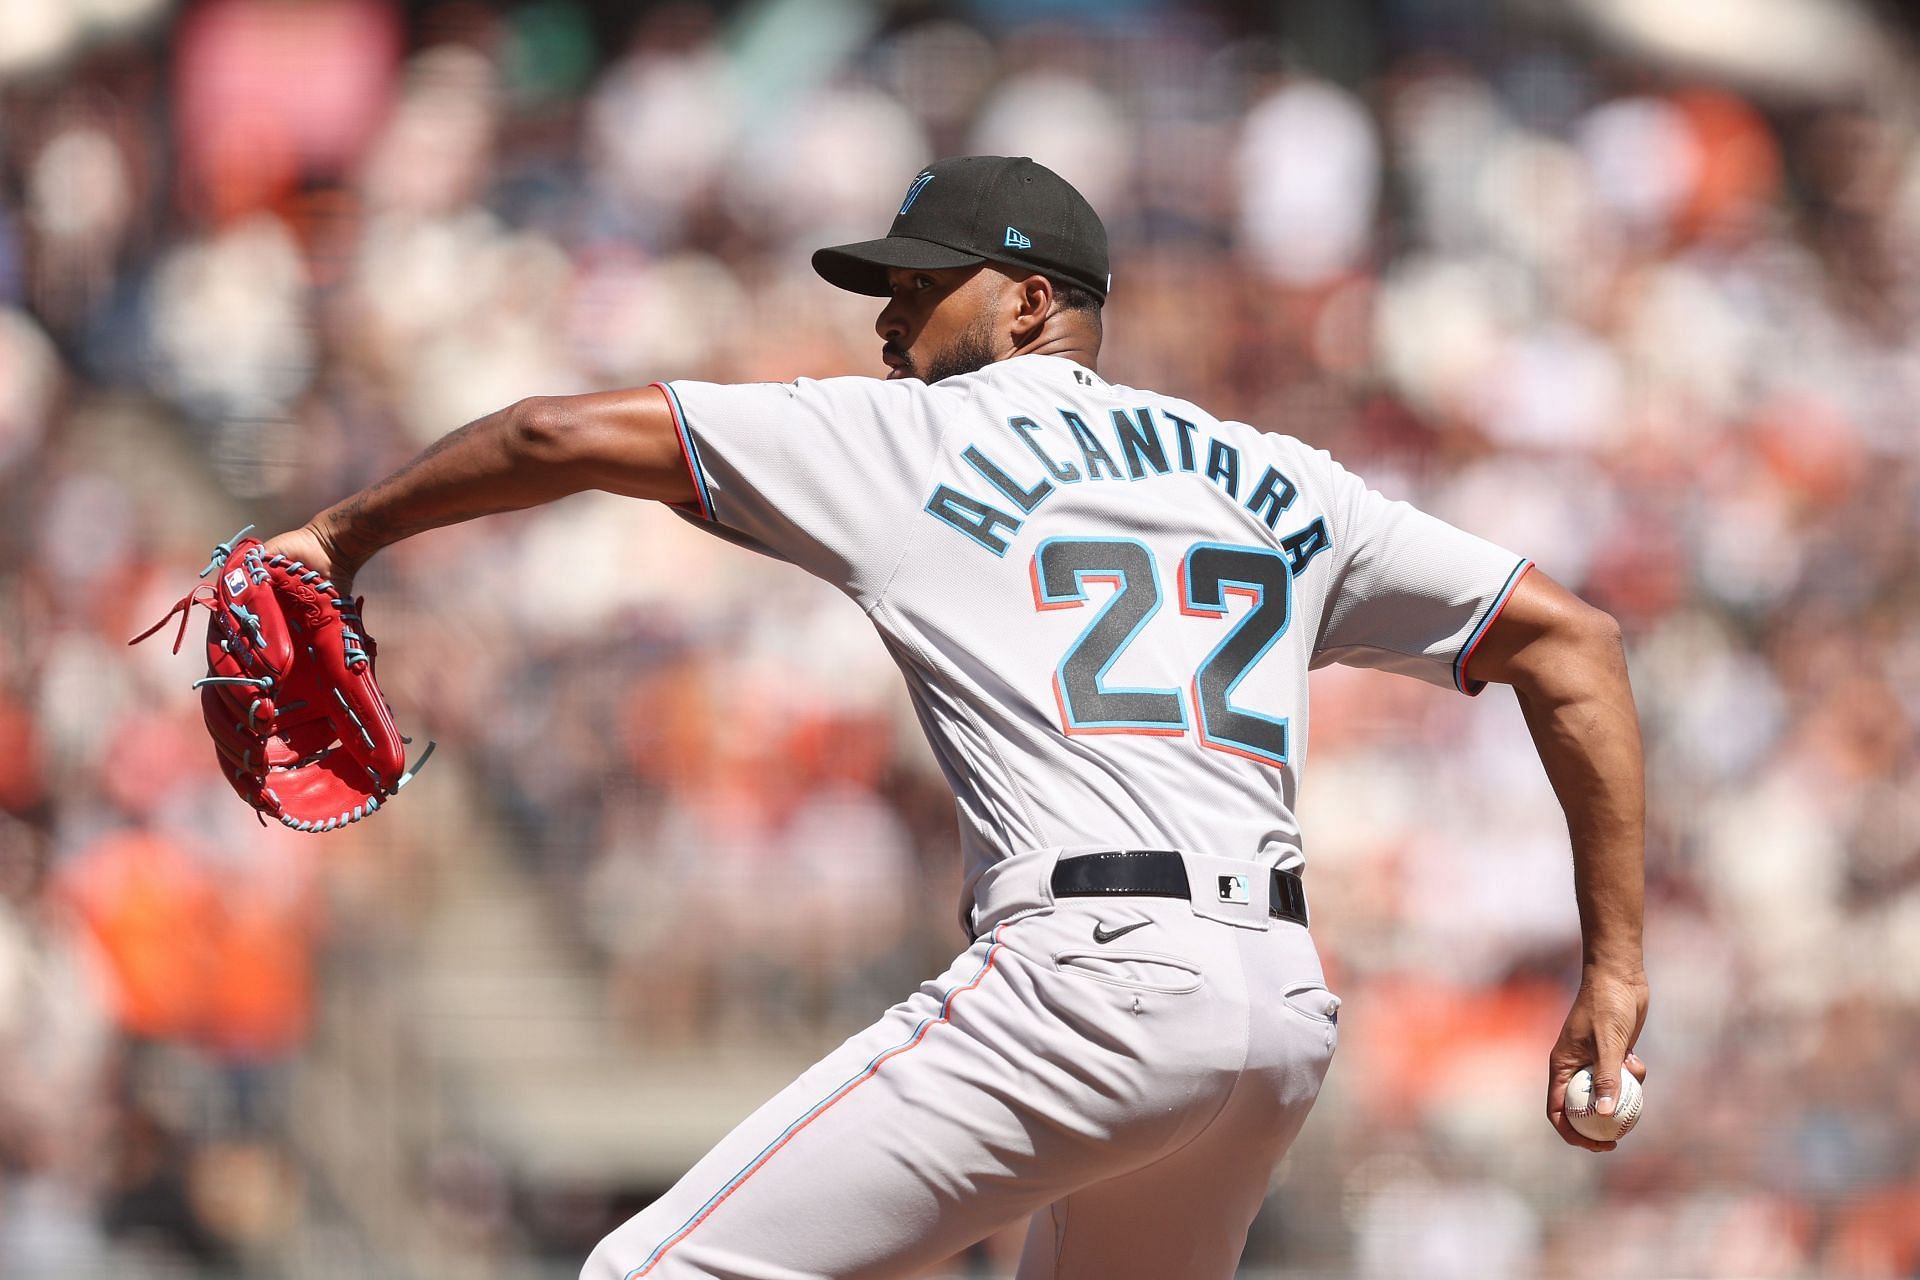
(702, 501)
(1480, 633)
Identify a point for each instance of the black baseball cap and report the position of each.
(972, 209)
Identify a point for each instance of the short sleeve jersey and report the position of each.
(1105, 601)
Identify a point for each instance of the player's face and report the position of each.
(940, 323)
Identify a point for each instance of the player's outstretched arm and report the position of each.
(1566, 663)
(526, 454)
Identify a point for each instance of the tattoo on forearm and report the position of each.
(368, 521)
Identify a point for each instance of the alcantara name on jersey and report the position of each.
(1071, 453)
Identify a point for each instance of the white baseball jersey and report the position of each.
(1105, 600)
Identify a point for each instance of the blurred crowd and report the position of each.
(1651, 329)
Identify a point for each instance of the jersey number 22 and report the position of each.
(1208, 573)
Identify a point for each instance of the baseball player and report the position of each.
(1105, 602)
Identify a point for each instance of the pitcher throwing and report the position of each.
(1105, 602)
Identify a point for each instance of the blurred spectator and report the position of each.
(1652, 328)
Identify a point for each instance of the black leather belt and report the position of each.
(1161, 873)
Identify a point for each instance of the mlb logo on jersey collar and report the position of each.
(1235, 889)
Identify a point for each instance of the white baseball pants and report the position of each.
(1131, 1098)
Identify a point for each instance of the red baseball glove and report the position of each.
(298, 721)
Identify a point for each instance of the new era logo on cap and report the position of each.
(967, 210)
(1235, 889)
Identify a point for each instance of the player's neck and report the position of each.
(1074, 344)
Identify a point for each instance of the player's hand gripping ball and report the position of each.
(299, 725)
(1590, 1123)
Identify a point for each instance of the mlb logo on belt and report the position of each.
(1235, 889)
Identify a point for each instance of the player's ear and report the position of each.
(1033, 302)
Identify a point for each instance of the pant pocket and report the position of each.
(1138, 970)
(1316, 1011)
(1315, 1003)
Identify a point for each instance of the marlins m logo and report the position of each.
(913, 192)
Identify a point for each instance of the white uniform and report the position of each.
(1105, 603)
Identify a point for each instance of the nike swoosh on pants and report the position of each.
(1102, 934)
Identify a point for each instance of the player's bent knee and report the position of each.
(600, 1264)
(614, 1258)
(622, 1254)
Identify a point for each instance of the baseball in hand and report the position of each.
(1590, 1123)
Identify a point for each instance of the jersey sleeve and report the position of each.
(821, 473)
(1410, 592)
